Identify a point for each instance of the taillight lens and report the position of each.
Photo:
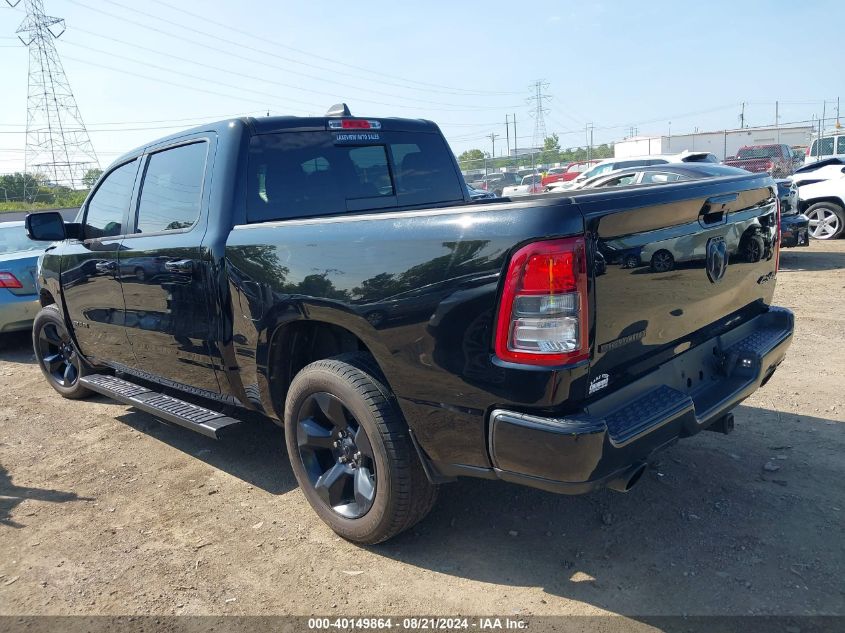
(543, 314)
(8, 280)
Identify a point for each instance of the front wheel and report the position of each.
(826, 220)
(351, 451)
(57, 355)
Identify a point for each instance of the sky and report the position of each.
(144, 70)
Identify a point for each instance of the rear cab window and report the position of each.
(294, 174)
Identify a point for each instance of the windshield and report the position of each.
(13, 239)
(530, 180)
(769, 151)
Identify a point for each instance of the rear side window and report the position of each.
(302, 174)
(107, 208)
(840, 145)
(172, 189)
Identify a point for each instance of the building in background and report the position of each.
(723, 143)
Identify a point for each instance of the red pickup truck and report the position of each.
(775, 160)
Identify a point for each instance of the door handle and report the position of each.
(715, 209)
(181, 266)
(106, 267)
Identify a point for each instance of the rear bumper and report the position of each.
(17, 311)
(617, 433)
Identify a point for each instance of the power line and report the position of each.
(242, 46)
(425, 85)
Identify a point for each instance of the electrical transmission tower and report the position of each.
(58, 147)
(538, 101)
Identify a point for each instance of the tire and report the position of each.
(753, 249)
(351, 451)
(662, 261)
(57, 356)
(140, 274)
(827, 220)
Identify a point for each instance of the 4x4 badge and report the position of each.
(717, 258)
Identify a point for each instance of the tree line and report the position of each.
(22, 191)
(474, 159)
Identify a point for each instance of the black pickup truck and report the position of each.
(333, 274)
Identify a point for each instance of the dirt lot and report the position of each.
(104, 510)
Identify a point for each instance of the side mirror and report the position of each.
(48, 226)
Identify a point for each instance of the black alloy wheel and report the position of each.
(337, 455)
(58, 356)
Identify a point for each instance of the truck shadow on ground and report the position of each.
(711, 529)
(11, 496)
(255, 455)
(800, 259)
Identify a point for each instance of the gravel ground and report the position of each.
(104, 510)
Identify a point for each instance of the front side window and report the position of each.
(107, 208)
(171, 193)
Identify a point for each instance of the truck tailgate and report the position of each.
(674, 264)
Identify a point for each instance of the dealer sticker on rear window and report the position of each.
(357, 137)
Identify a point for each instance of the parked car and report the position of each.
(555, 174)
(503, 351)
(480, 194)
(18, 291)
(830, 145)
(498, 181)
(577, 168)
(613, 164)
(530, 185)
(775, 160)
(794, 225)
(821, 197)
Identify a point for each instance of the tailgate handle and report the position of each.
(714, 210)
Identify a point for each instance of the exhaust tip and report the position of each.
(628, 480)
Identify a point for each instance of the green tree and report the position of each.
(551, 150)
(22, 187)
(471, 159)
(91, 176)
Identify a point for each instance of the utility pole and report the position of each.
(777, 117)
(837, 114)
(493, 137)
(515, 141)
(508, 135)
(57, 144)
(742, 116)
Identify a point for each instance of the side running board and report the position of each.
(191, 416)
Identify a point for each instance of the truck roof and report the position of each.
(271, 124)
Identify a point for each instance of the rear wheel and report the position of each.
(351, 451)
(57, 355)
(662, 261)
(826, 220)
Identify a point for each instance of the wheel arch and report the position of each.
(294, 344)
(804, 205)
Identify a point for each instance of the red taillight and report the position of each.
(807, 151)
(543, 314)
(8, 280)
